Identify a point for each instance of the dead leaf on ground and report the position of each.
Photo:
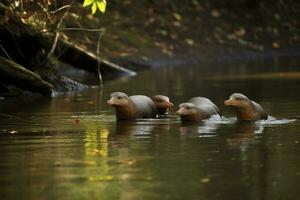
(275, 45)
(215, 13)
(189, 41)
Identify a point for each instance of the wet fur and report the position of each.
(246, 109)
(199, 108)
(133, 107)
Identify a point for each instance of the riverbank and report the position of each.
(146, 34)
(177, 32)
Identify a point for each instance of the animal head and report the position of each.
(189, 112)
(118, 99)
(162, 101)
(238, 100)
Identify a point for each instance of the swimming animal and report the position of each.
(197, 109)
(132, 107)
(162, 104)
(246, 109)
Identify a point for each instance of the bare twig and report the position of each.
(99, 60)
(57, 33)
(99, 101)
(22, 5)
(45, 10)
(83, 29)
(99, 72)
(76, 29)
(60, 9)
(5, 52)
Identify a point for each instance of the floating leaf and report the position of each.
(91, 102)
(77, 121)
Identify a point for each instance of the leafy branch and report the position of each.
(100, 4)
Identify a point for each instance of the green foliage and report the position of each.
(100, 4)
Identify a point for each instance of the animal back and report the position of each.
(205, 105)
(262, 114)
(144, 106)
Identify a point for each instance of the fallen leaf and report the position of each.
(189, 41)
(173, 36)
(215, 13)
(275, 45)
(277, 16)
(77, 121)
(176, 24)
(145, 58)
(240, 32)
(205, 180)
(177, 16)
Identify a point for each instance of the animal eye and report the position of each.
(187, 108)
(119, 97)
(160, 101)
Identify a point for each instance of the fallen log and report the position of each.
(25, 44)
(28, 41)
(14, 74)
(80, 58)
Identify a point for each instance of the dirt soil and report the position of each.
(154, 33)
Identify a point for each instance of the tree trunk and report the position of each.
(14, 74)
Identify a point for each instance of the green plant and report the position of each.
(100, 4)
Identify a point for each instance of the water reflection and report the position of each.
(244, 133)
(141, 128)
(65, 148)
(202, 129)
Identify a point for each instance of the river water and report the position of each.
(71, 147)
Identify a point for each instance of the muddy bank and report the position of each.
(175, 32)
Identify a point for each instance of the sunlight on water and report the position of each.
(273, 121)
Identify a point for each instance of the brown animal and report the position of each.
(132, 107)
(246, 109)
(197, 109)
(162, 104)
